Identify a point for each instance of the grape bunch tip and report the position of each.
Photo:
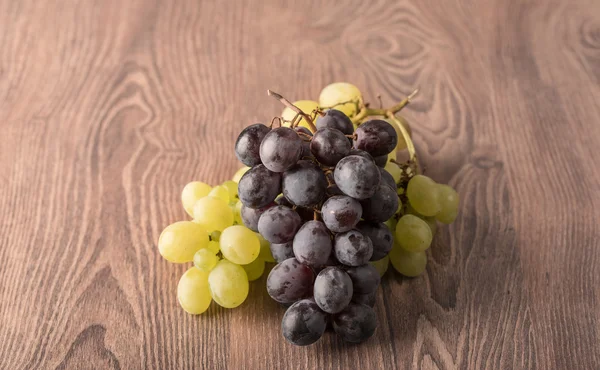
(323, 194)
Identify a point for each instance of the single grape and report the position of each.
(356, 323)
(381, 265)
(247, 145)
(228, 284)
(250, 216)
(381, 206)
(366, 299)
(193, 292)
(205, 259)
(220, 192)
(387, 179)
(265, 249)
(312, 244)
(365, 278)
(333, 289)
(341, 213)
(357, 177)
(214, 246)
(307, 106)
(180, 241)
(448, 199)
(239, 173)
(191, 193)
(259, 187)
(280, 149)
(255, 269)
(282, 252)
(329, 145)
(431, 221)
(232, 188)
(213, 214)
(239, 244)
(290, 281)
(380, 236)
(215, 235)
(335, 119)
(407, 263)
(279, 224)
(381, 160)
(306, 154)
(303, 323)
(423, 195)
(413, 234)
(304, 184)
(393, 169)
(333, 95)
(377, 137)
(352, 248)
(237, 212)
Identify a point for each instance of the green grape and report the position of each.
(423, 195)
(220, 192)
(431, 221)
(179, 241)
(191, 193)
(232, 188)
(205, 259)
(228, 284)
(213, 214)
(307, 106)
(381, 265)
(449, 204)
(193, 292)
(394, 170)
(215, 235)
(237, 213)
(391, 223)
(239, 173)
(214, 246)
(254, 269)
(239, 244)
(401, 142)
(340, 92)
(392, 155)
(413, 234)
(408, 263)
(265, 249)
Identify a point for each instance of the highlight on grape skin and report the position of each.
(332, 193)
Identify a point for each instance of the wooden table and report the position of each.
(108, 108)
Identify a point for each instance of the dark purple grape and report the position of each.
(356, 323)
(280, 149)
(381, 206)
(290, 281)
(376, 137)
(304, 184)
(303, 323)
(333, 289)
(259, 187)
(250, 216)
(361, 153)
(387, 178)
(357, 177)
(333, 118)
(341, 213)
(312, 244)
(329, 146)
(365, 278)
(381, 160)
(279, 224)
(366, 299)
(352, 248)
(305, 141)
(247, 145)
(282, 252)
(380, 236)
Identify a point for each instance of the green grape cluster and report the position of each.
(226, 255)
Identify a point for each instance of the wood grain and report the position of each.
(107, 108)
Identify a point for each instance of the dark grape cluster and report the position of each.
(321, 200)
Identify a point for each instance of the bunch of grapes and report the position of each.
(226, 255)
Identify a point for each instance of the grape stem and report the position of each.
(299, 111)
(366, 111)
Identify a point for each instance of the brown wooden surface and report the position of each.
(109, 107)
